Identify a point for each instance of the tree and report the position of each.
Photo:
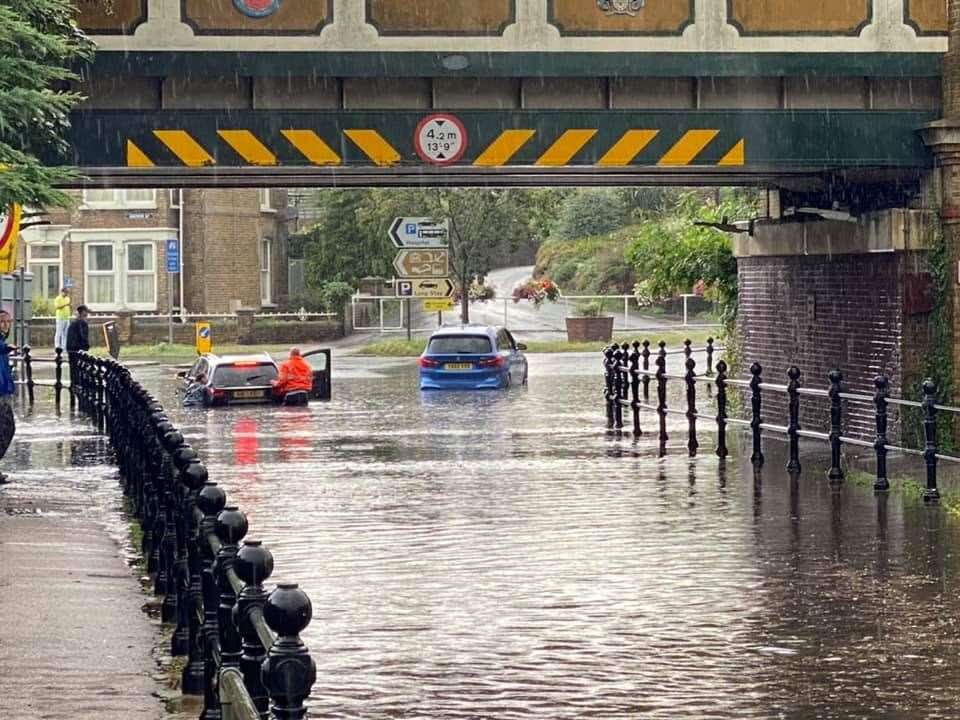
(38, 43)
(589, 212)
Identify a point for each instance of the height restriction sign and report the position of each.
(440, 139)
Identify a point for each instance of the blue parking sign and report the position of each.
(173, 256)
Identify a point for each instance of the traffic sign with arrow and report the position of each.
(428, 263)
(425, 288)
(419, 232)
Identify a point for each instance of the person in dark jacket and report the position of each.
(78, 334)
(8, 425)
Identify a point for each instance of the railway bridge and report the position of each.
(846, 111)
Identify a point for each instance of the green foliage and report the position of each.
(594, 308)
(335, 295)
(588, 266)
(592, 212)
(38, 43)
(42, 307)
(672, 254)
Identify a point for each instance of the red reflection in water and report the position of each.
(246, 444)
(294, 427)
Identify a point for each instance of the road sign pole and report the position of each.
(409, 320)
(170, 316)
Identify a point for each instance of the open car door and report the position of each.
(319, 361)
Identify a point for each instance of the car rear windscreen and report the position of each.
(243, 375)
(460, 345)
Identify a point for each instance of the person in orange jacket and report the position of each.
(295, 379)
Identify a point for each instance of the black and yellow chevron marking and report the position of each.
(574, 146)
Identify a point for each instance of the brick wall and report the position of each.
(824, 312)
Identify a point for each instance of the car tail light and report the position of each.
(246, 363)
(498, 361)
(427, 363)
(218, 394)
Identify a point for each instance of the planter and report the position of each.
(589, 329)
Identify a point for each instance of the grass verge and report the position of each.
(907, 488)
(413, 348)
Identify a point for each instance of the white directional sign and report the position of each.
(440, 139)
(419, 232)
(425, 288)
(426, 263)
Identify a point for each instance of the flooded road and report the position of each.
(496, 555)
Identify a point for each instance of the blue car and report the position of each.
(472, 357)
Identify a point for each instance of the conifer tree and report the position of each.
(39, 42)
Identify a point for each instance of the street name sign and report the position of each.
(427, 263)
(173, 256)
(419, 232)
(425, 288)
(438, 305)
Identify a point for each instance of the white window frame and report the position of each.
(34, 263)
(87, 274)
(266, 271)
(121, 200)
(265, 199)
(127, 273)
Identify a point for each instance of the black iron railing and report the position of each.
(628, 376)
(23, 361)
(242, 642)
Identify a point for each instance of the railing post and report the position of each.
(691, 380)
(254, 565)
(931, 495)
(28, 372)
(662, 390)
(709, 357)
(617, 388)
(58, 374)
(100, 368)
(722, 409)
(836, 417)
(645, 353)
(194, 478)
(882, 384)
(635, 388)
(211, 502)
(289, 672)
(184, 458)
(608, 380)
(793, 427)
(687, 349)
(756, 456)
(231, 528)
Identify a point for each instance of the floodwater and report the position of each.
(498, 556)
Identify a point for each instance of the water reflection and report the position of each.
(498, 555)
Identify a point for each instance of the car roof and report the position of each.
(229, 359)
(465, 330)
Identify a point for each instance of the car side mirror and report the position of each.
(182, 374)
(521, 346)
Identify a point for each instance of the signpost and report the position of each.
(173, 267)
(419, 232)
(204, 338)
(428, 263)
(425, 288)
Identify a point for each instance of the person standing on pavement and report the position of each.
(78, 334)
(8, 425)
(62, 312)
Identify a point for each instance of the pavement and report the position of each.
(79, 637)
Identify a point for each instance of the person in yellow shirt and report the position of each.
(62, 312)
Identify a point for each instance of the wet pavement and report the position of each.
(497, 555)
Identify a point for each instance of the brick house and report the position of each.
(111, 248)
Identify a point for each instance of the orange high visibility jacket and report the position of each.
(295, 374)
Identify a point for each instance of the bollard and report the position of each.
(691, 380)
(931, 495)
(882, 384)
(635, 388)
(709, 357)
(721, 409)
(28, 372)
(793, 426)
(756, 456)
(646, 370)
(288, 672)
(230, 528)
(617, 389)
(662, 390)
(836, 416)
(253, 565)
(608, 379)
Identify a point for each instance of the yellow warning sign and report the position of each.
(204, 338)
(438, 305)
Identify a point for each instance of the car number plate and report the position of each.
(458, 366)
(248, 394)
